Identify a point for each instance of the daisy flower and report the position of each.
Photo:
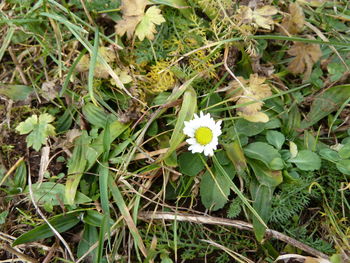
(203, 132)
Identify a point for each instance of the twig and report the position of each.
(58, 235)
(18, 66)
(227, 222)
(20, 255)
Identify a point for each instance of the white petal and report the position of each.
(191, 141)
(208, 151)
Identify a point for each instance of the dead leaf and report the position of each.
(101, 71)
(260, 17)
(306, 55)
(133, 11)
(294, 22)
(123, 76)
(254, 90)
(49, 90)
(136, 20)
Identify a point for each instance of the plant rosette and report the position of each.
(203, 132)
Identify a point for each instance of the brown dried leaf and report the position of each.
(135, 20)
(100, 70)
(254, 90)
(294, 22)
(306, 56)
(260, 17)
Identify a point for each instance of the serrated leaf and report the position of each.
(259, 17)
(147, 26)
(305, 56)
(294, 22)
(38, 128)
(307, 160)
(28, 125)
(251, 93)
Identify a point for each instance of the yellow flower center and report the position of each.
(203, 135)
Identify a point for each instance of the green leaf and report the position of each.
(61, 223)
(3, 216)
(307, 160)
(262, 196)
(329, 155)
(90, 237)
(235, 154)
(275, 138)
(249, 128)
(344, 166)
(53, 193)
(188, 108)
(28, 125)
(190, 164)
(97, 116)
(16, 92)
(76, 166)
(38, 128)
(147, 26)
(266, 153)
(344, 151)
(264, 175)
(325, 103)
(214, 193)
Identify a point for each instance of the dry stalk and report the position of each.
(199, 219)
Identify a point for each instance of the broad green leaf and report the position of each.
(262, 196)
(94, 218)
(344, 151)
(53, 193)
(266, 153)
(325, 103)
(61, 223)
(264, 175)
(344, 166)
(329, 154)
(188, 108)
(16, 92)
(214, 193)
(90, 237)
(147, 26)
(76, 166)
(249, 128)
(275, 138)
(96, 116)
(190, 164)
(307, 160)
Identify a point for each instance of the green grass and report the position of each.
(119, 152)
